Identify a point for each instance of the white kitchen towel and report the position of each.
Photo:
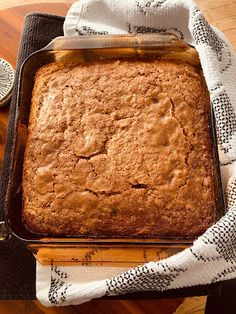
(212, 257)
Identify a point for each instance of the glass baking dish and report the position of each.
(81, 250)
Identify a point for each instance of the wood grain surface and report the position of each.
(222, 14)
(4, 4)
(94, 307)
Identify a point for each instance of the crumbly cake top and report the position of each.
(119, 148)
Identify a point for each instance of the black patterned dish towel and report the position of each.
(212, 257)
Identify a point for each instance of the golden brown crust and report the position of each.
(119, 148)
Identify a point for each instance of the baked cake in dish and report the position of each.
(119, 148)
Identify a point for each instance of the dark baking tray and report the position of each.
(90, 48)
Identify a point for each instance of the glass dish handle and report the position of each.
(160, 40)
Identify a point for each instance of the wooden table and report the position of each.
(220, 13)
